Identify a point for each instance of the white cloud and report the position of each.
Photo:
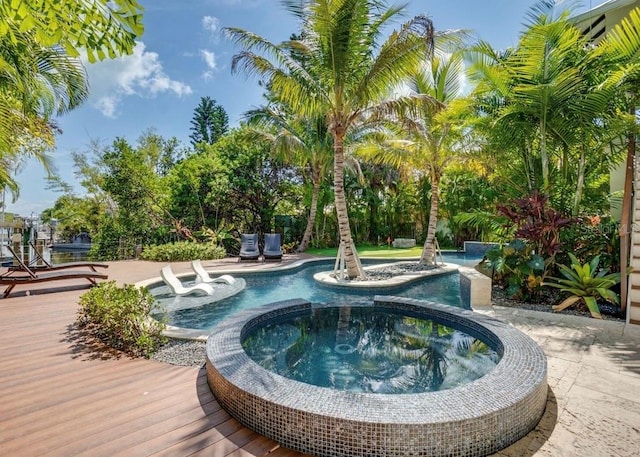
(210, 60)
(139, 74)
(107, 105)
(212, 25)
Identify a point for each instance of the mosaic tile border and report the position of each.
(472, 420)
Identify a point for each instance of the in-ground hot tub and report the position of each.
(476, 418)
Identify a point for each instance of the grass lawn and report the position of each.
(371, 251)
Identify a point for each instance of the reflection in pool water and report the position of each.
(263, 288)
(366, 349)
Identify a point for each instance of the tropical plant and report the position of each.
(36, 82)
(181, 251)
(586, 283)
(484, 224)
(129, 177)
(535, 221)
(210, 122)
(255, 182)
(544, 106)
(523, 263)
(40, 72)
(518, 267)
(468, 194)
(300, 141)
(101, 28)
(219, 235)
(434, 131)
(349, 72)
(121, 317)
(591, 236)
(195, 185)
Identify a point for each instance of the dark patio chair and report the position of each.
(249, 249)
(272, 249)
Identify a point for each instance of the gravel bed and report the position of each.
(182, 352)
(550, 297)
(396, 269)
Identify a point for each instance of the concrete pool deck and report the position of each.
(60, 399)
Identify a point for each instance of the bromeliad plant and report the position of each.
(587, 283)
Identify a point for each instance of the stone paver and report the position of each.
(594, 386)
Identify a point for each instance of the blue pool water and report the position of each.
(363, 349)
(265, 287)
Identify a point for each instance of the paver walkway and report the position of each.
(594, 379)
(59, 398)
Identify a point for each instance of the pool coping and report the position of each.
(497, 409)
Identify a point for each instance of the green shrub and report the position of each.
(592, 236)
(517, 267)
(183, 251)
(121, 318)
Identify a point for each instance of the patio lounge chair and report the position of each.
(203, 277)
(22, 274)
(249, 249)
(272, 249)
(179, 289)
(48, 266)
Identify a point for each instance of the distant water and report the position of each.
(68, 256)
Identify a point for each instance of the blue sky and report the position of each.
(182, 56)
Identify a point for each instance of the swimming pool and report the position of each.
(267, 287)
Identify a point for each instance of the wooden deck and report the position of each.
(59, 397)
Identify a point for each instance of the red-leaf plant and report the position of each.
(537, 223)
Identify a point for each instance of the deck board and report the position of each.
(59, 397)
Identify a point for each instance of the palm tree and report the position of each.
(349, 72)
(541, 96)
(301, 141)
(433, 131)
(36, 82)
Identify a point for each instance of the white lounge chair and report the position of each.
(180, 289)
(202, 276)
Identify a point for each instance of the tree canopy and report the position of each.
(101, 28)
(349, 71)
(209, 123)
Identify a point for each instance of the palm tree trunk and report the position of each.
(428, 251)
(580, 184)
(544, 157)
(354, 269)
(304, 244)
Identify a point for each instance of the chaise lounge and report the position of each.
(202, 276)
(48, 266)
(179, 289)
(22, 274)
